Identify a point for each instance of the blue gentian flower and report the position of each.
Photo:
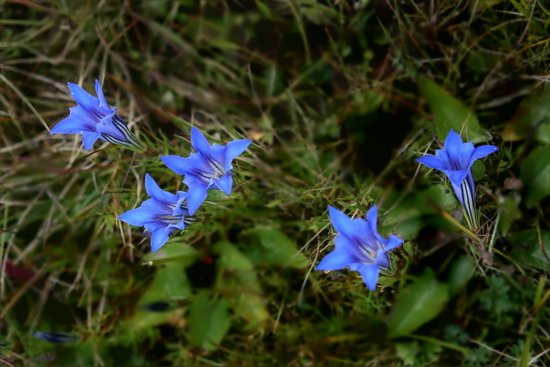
(455, 160)
(54, 337)
(161, 215)
(359, 246)
(94, 119)
(210, 167)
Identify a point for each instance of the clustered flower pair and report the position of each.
(210, 167)
(358, 245)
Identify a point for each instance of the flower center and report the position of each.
(216, 171)
(455, 163)
(178, 215)
(217, 168)
(368, 251)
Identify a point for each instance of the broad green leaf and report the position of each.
(269, 246)
(231, 258)
(532, 117)
(528, 249)
(179, 252)
(508, 207)
(264, 9)
(170, 284)
(208, 321)
(240, 285)
(535, 174)
(450, 113)
(543, 133)
(417, 303)
(461, 272)
(407, 352)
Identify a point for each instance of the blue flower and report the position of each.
(54, 337)
(209, 167)
(94, 119)
(359, 246)
(161, 215)
(455, 160)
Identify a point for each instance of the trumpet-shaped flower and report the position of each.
(359, 246)
(94, 119)
(210, 167)
(54, 337)
(455, 160)
(161, 215)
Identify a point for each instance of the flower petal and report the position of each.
(236, 148)
(83, 98)
(432, 162)
(152, 226)
(154, 191)
(158, 238)
(196, 196)
(372, 220)
(181, 203)
(382, 260)
(453, 141)
(138, 216)
(88, 139)
(224, 184)
(199, 142)
(341, 222)
(107, 129)
(465, 155)
(69, 125)
(178, 164)
(456, 177)
(483, 151)
(217, 154)
(392, 242)
(342, 242)
(369, 273)
(101, 97)
(337, 259)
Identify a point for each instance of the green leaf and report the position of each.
(208, 321)
(407, 352)
(461, 272)
(543, 133)
(231, 258)
(269, 246)
(535, 174)
(264, 9)
(170, 284)
(417, 303)
(532, 117)
(528, 249)
(508, 207)
(240, 285)
(184, 254)
(450, 113)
